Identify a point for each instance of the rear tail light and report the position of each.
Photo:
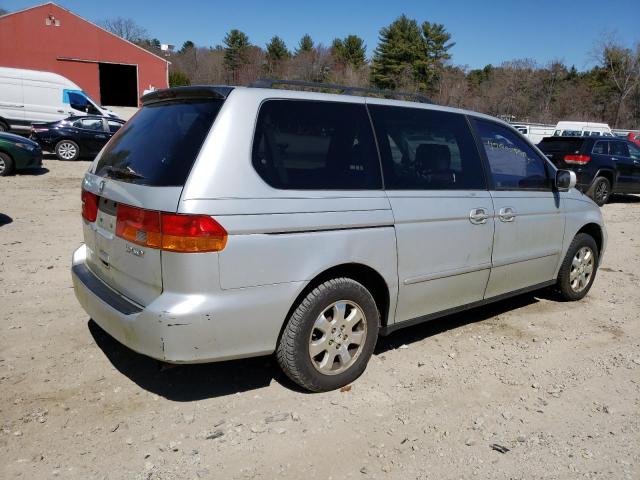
(170, 231)
(577, 159)
(89, 206)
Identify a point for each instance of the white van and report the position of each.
(582, 129)
(535, 132)
(29, 96)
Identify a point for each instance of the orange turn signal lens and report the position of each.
(170, 231)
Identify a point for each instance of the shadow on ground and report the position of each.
(5, 219)
(185, 383)
(618, 198)
(32, 172)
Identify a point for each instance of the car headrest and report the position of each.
(433, 158)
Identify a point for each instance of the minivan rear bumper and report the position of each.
(178, 327)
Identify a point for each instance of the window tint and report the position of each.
(114, 126)
(426, 149)
(315, 145)
(514, 164)
(160, 142)
(634, 152)
(91, 124)
(618, 148)
(601, 148)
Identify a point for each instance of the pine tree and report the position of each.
(277, 50)
(400, 53)
(437, 43)
(305, 45)
(235, 53)
(277, 54)
(349, 51)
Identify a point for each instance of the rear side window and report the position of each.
(309, 145)
(160, 143)
(425, 149)
(92, 124)
(514, 164)
(601, 148)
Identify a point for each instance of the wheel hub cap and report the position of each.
(67, 151)
(582, 267)
(337, 337)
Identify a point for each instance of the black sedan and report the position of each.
(74, 137)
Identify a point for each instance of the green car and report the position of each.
(17, 153)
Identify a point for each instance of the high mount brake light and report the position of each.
(170, 231)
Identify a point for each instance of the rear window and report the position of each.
(555, 144)
(309, 145)
(160, 143)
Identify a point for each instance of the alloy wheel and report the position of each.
(3, 165)
(337, 337)
(67, 150)
(582, 267)
(602, 192)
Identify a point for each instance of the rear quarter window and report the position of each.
(161, 142)
(311, 145)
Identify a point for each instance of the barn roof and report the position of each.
(53, 4)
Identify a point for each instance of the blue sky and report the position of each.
(484, 31)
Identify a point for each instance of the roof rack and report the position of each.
(343, 89)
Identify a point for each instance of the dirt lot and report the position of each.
(556, 384)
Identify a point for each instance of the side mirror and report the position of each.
(565, 180)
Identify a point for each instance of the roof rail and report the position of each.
(343, 89)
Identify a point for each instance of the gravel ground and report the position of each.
(526, 388)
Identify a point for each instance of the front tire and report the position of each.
(67, 150)
(578, 270)
(330, 336)
(6, 165)
(600, 191)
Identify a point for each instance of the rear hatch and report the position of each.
(556, 148)
(145, 165)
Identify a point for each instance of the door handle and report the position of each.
(478, 216)
(507, 214)
(101, 136)
(614, 159)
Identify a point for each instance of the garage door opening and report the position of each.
(118, 85)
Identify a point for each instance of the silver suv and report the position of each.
(222, 223)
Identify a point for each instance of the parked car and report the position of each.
(603, 165)
(28, 96)
(18, 153)
(229, 222)
(582, 129)
(634, 137)
(74, 137)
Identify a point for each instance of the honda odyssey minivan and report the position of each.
(229, 222)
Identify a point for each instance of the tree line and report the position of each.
(415, 57)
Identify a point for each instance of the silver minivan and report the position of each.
(229, 222)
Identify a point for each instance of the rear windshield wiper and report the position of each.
(122, 172)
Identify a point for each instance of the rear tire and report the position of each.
(330, 336)
(3, 126)
(67, 150)
(600, 191)
(7, 166)
(578, 270)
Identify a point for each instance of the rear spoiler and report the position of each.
(196, 92)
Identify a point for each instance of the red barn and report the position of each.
(52, 39)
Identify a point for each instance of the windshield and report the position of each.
(160, 143)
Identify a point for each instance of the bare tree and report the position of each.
(623, 71)
(126, 28)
